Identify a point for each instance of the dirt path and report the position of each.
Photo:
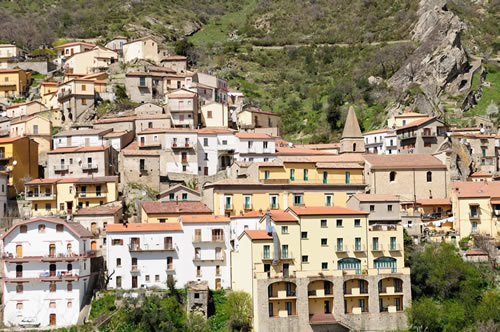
(390, 42)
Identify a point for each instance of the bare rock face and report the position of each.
(439, 59)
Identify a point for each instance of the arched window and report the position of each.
(429, 176)
(349, 264)
(385, 263)
(392, 176)
(354, 147)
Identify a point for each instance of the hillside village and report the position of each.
(121, 165)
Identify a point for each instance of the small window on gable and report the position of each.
(41, 228)
(59, 228)
(392, 176)
(23, 229)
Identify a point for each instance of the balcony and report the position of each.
(429, 134)
(216, 258)
(89, 167)
(407, 135)
(60, 257)
(395, 247)
(184, 161)
(132, 247)
(61, 168)
(359, 248)
(90, 194)
(391, 290)
(341, 248)
(47, 196)
(317, 293)
(228, 207)
(377, 228)
(377, 247)
(355, 291)
(44, 276)
(182, 146)
(134, 269)
(213, 239)
(63, 94)
(286, 256)
(474, 216)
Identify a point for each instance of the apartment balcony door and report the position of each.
(19, 271)
(134, 281)
(93, 245)
(217, 283)
(52, 270)
(69, 206)
(52, 250)
(52, 317)
(168, 243)
(19, 251)
(286, 270)
(135, 242)
(142, 141)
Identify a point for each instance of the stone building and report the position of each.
(352, 140)
(421, 136)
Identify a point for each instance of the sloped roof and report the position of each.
(351, 126)
(74, 227)
(403, 161)
(324, 210)
(179, 186)
(417, 123)
(177, 207)
(476, 189)
(258, 235)
(81, 149)
(252, 135)
(375, 197)
(98, 210)
(156, 227)
(434, 201)
(204, 219)
(379, 131)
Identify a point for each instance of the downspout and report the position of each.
(270, 229)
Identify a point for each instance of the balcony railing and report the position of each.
(67, 256)
(61, 168)
(134, 247)
(44, 276)
(358, 248)
(212, 239)
(395, 247)
(377, 247)
(474, 215)
(30, 196)
(376, 228)
(341, 248)
(89, 166)
(429, 134)
(216, 258)
(90, 194)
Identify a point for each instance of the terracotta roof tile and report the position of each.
(98, 210)
(157, 227)
(258, 235)
(476, 189)
(5, 140)
(74, 227)
(324, 210)
(403, 161)
(42, 181)
(434, 201)
(204, 219)
(78, 150)
(417, 123)
(181, 207)
(375, 197)
(299, 151)
(480, 175)
(115, 134)
(379, 131)
(324, 146)
(133, 150)
(116, 119)
(245, 135)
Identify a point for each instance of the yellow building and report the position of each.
(19, 158)
(289, 181)
(322, 264)
(476, 208)
(64, 196)
(14, 82)
(160, 212)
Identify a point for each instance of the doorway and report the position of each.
(52, 319)
(19, 251)
(134, 281)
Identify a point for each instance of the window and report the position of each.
(324, 223)
(347, 177)
(41, 228)
(35, 129)
(70, 304)
(59, 228)
(372, 208)
(324, 242)
(84, 101)
(205, 141)
(284, 229)
(147, 278)
(19, 306)
(142, 165)
(375, 243)
(297, 199)
(150, 124)
(217, 270)
(306, 175)
(389, 208)
(19, 288)
(23, 229)
(198, 271)
(52, 286)
(36, 207)
(392, 176)
(273, 201)
(170, 263)
(284, 251)
(69, 287)
(393, 243)
(209, 114)
(325, 177)
(340, 244)
(250, 144)
(157, 277)
(474, 227)
(117, 242)
(247, 201)
(328, 199)
(303, 235)
(142, 81)
(184, 197)
(339, 222)
(357, 244)
(429, 176)
(266, 175)
(357, 222)
(84, 87)
(267, 251)
(324, 266)
(118, 262)
(292, 174)
(118, 282)
(171, 197)
(52, 304)
(305, 259)
(474, 211)
(265, 144)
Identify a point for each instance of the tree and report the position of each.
(238, 308)
(196, 323)
(489, 308)
(335, 100)
(425, 315)
(183, 47)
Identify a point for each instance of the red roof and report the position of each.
(480, 175)
(157, 227)
(98, 210)
(417, 123)
(324, 210)
(280, 215)
(10, 139)
(75, 43)
(204, 219)
(434, 201)
(42, 181)
(258, 235)
(181, 207)
(82, 149)
(252, 135)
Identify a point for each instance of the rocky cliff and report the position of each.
(439, 63)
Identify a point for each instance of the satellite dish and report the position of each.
(14, 162)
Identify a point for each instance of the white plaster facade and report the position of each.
(80, 138)
(382, 141)
(46, 264)
(258, 148)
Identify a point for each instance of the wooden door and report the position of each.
(93, 245)
(168, 243)
(134, 282)
(205, 171)
(142, 141)
(52, 319)
(19, 251)
(217, 283)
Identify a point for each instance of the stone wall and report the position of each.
(43, 67)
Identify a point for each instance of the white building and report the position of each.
(80, 138)
(144, 48)
(240, 223)
(4, 181)
(143, 255)
(181, 150)
(375, 141)
(46, 264)
(66, 50)
(255, 147)
(216, 148)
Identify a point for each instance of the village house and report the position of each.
(161, 212)
(303, 282)
(95, 60)
(80, 138)
(116, 44)
(144, 48)
(140, 166)
(62, 197)
(208, 88)
(181, 146)
(148, 109)
(382, 209)
(381, 141)
(19, 158)
(78, 162)
(7, 52)
(76, 97)
(482, 149)
(117, 123)
(179, 192)
(421, 136)
(476, 208)
(14, 83)
(216, 150)
(183, 107)
(4, 182)
(118, 139)
(145, 87)
(67, 50)
(255, 119)
(176, 62)
(255, 147)
(96, 219)
(48, 94)
(404, 119)
(47, 272)
(152, 121)
(24, 109)
(35, 127)
(4, 126)
(214, 114)
(410, 176)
